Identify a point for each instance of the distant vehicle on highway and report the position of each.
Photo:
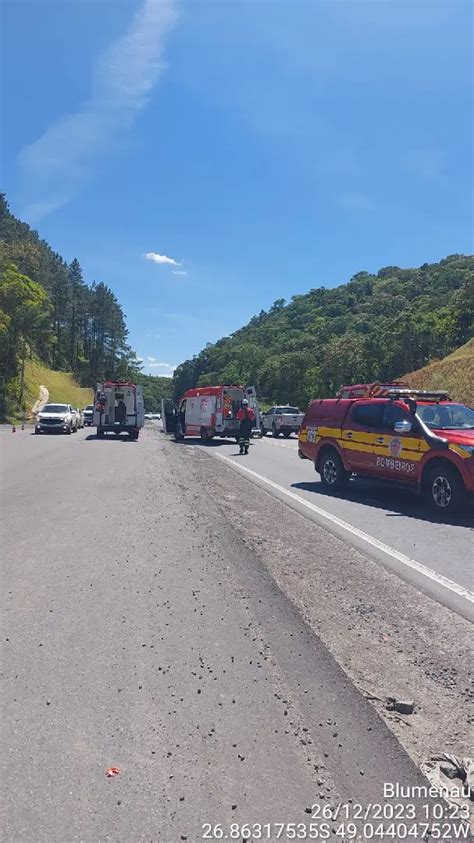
(88, 415)
(285, 420)
(392, 432)
(56, 418)
(118, 408)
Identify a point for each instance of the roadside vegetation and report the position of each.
(155, 389)
(454, 373)
(47, 310)
(373, 328)
(62, 387)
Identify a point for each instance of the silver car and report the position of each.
(56, 418)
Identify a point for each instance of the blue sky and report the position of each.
(265, 147)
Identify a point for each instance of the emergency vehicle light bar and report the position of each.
(396, 389)
(427, 394)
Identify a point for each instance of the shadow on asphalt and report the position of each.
(402, 502)
(113, 437)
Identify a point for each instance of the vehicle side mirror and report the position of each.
(402, 427)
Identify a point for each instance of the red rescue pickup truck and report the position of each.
(392, 432)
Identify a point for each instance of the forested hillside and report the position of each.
(47, 309)
(375, 327)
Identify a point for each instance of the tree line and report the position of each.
(375, 327)
(47, 309)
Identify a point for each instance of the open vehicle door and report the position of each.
(169, 416)
(251, 396)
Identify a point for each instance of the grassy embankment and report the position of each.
(454, 373)
(61, 386)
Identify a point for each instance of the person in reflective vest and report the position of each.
(246, 417)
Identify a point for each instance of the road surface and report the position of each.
(389, 523)
(144, 628)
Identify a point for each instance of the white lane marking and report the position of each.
(385, 548)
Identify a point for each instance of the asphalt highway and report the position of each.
(140, 632)
(390, 523)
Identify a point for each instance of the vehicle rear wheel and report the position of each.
(444, 489)
(100, 434)
(287, 433)
(262, 430)
(275, 432)
(332, 472)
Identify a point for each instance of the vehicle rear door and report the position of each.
(399, 450)
(251, 394)
(362, 431)
(169, 416)
(140, 406)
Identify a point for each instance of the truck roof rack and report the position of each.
(395, 389)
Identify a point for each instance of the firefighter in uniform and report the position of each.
(246, 417)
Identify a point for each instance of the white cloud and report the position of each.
(163, 370)
(56, 164)
(178, 272)
(156, 258)
(151, 359)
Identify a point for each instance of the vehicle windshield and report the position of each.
(89, 408)
(446, 416)
(291, 410)
(55, 408)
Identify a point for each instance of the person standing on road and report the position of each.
(246, 417)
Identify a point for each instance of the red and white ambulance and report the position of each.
(207, 411)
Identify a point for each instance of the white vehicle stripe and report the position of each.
(385, 548)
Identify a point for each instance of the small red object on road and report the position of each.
(112, 771)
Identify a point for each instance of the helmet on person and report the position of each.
(245, 403)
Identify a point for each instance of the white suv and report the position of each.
(56, 418)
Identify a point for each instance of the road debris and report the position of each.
(453, 776)
(111, 772)
(402, 706)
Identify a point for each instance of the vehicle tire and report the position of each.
(262, 430)
(275, 432)
(37, 432)
(332, 472)
(287, 434)
(100, 433)
(69, 431)
(444, 489)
